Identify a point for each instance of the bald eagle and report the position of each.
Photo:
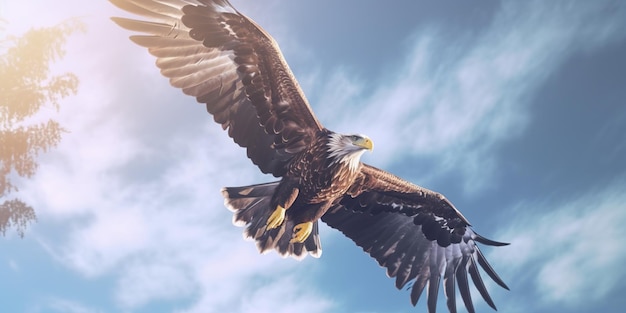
(226, 61)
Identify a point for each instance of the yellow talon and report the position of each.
(301, 232)
(277, 218)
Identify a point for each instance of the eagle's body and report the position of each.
(315, 180)
(223, 59)
(322, 174)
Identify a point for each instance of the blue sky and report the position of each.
(514, 110)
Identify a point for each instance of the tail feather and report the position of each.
(251, 208)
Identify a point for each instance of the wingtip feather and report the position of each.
(489, 270)
(489, 242)
(464, 286)
(479, 284)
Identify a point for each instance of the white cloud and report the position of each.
(13, 265)
(294, 292)
(153, 279)
(455, 99)
(171, 238)
(110, 237)
(65, 306)
(127, 198)
(249, 282)
(570, 250)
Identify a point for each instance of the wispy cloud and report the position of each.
(14, 266)
(569, 250)
(66, 306)
(154, 278)
(171, 238)
(132, 192)
(453, 99)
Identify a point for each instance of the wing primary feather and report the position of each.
(409, 264)
(136, 9)
(402, 277)
(489, 242)
(419, 284)
(158, 43)
(461, 277)
(489, 270)
(433, 291)
(437, 261)
(449, 280)
(480, 285)
(449, 286)
(153, 28)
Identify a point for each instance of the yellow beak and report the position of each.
(365, 143)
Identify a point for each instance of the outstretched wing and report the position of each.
(415, 233)
(225, 60)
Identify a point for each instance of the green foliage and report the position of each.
(26, 86)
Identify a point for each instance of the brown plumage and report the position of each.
(223, 59)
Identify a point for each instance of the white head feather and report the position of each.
(348, 149)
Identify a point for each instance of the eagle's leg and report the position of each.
(301, 232)
(278, 216)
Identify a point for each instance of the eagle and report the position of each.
(229, 63)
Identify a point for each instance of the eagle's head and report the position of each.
(348, 148)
